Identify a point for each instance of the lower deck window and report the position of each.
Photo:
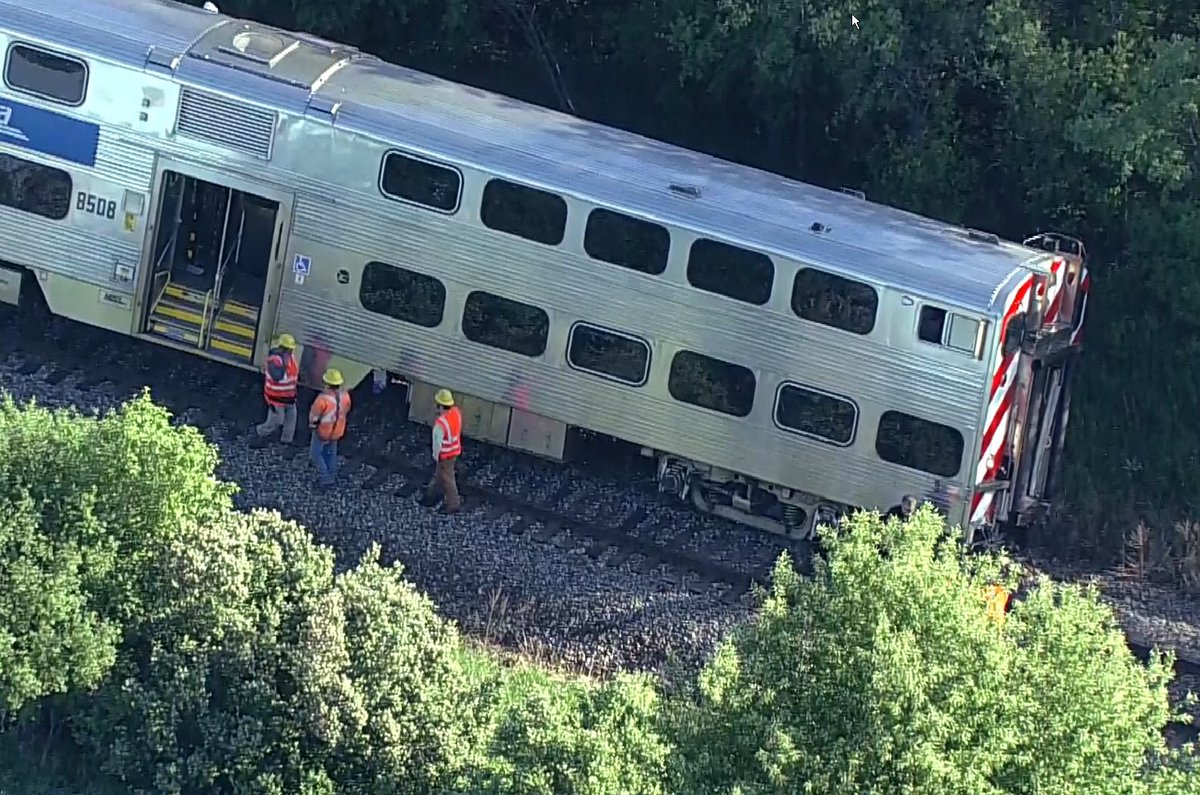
(817, 414)
(621, 357)
(711, 383)
(506, 324)
(919, 444)
(402, 294)
(34, 188)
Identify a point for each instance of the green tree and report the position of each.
(552, 735)
(254, 670)
(884, 673)
(84, 503)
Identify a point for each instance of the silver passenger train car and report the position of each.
(785, 352)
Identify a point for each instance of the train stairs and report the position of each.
(188, 316)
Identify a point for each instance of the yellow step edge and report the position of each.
(244, 310)
(230, 347)
(184, 293)
(178, 313)
(232, 327)
(174, 333)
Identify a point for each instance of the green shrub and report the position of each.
(885, 675)
(255, 671)
(562, 736)
(84, 503)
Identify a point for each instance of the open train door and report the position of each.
(217, 246)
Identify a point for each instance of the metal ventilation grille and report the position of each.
(227, 122)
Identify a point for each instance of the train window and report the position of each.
(627, 241)
(919, 444)
(834, 301)
(46, 74)
(422, 182)
(523, 211)
(949, 329)
(621, 357)
(402, 294)
(813, 413)
(34, 188)
(505, 324)
(711, 383)
(1014, 333)
(731, 271)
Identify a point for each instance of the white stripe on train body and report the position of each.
(309, 123)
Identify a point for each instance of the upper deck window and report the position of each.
(419, 181)
(835, 301)
(630, 242)
(523, 211)
(737, 273)
(46, 74)
(949, 329)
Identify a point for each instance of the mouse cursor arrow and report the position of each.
(854, 22)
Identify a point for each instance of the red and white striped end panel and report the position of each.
(999, 412)
(1054, 298)
(1085, 284)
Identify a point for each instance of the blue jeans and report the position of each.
(324, 458)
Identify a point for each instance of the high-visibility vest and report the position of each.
(328, 413)
(996, 597)
(450, 421)
(283, 391)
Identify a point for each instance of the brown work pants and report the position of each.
(442, 484)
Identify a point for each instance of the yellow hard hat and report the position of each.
(334, 377)
(444, 398)
(287, 341)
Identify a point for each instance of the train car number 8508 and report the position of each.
(95, 205)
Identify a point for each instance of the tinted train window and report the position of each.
(834, 301)
(919, 444)
(505, 324)
(711, 383)
(402, 294)
(626, 241)
(34, 188)
(45, 74)
(962, 334)
(731, 271)
(621, 357)
(523, 211)
(420, 181)
(815, 414)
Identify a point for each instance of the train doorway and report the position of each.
(214, 257)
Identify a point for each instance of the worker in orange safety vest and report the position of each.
(447, 447)
(280, 382)
(327, 418)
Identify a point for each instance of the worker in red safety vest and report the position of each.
(447, 447)
(281, 378)
(327, 418)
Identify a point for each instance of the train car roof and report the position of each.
(570, 155)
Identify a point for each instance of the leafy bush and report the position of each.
(884, 673)
(84, 503)
(241, 675)
(553, 735)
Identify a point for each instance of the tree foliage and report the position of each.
(884, 673)
(83, 504)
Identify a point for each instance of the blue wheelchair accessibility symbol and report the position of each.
(301, 265)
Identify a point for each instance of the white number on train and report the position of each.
(95, 205)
